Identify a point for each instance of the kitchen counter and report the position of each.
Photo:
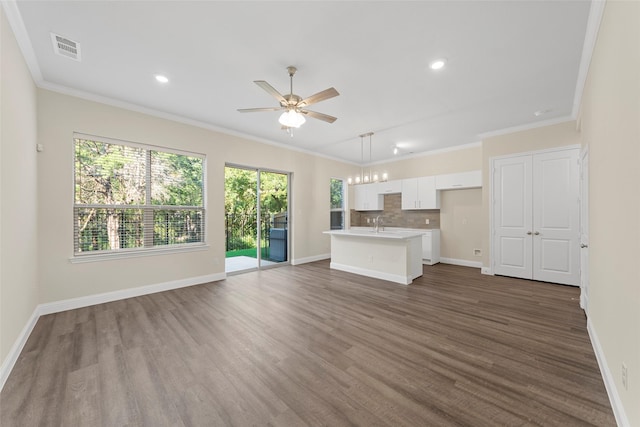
(393, 255)
(382, 234)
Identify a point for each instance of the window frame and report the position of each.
(341, 209)
(147, 207)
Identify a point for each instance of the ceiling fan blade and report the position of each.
(255, 110)
(324, 117)
(320, 96)
(267, 87)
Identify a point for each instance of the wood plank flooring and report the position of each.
(306, 345)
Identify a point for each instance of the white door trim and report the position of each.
(584, 226)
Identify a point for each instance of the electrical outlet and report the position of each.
(368, 220)
(426, 221)
(625, 377)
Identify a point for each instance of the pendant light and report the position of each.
(371, 176)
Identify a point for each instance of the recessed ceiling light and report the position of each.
(161, 78)
(437, 64)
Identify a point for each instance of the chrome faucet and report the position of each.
(376, 224)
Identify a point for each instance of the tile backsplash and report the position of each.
(394, 216)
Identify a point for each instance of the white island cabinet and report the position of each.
(395, 256)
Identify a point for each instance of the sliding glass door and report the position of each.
(274, 217)
(256, 218)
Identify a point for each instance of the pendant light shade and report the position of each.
(292, 119)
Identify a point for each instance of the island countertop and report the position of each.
(382, 234)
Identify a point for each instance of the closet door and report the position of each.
(512, 191)
(556, 217)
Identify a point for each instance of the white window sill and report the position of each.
(136, 253)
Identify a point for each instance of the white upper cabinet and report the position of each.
(390, 187)
(454, 181)
(420, 193)
(367, 198)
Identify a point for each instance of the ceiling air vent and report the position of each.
(65, 47)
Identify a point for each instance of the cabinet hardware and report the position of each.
(537, 233)
(529, 233)
(582, 245)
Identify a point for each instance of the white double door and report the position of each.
(536, 216)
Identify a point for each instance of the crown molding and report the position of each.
(591, 36)
(22, 37)
(528, 126)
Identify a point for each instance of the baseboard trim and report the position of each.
(397, 278)
(73, 303)
(462, 262)
(609, 383)
(487, 271)
(11, 359)
(308, 259)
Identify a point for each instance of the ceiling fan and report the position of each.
(294, 105)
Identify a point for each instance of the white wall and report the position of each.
(463, 159)
(18, 202)
(610, 122)
(461, 224)
(61, 115)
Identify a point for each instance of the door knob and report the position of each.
(537, 233)
(582, 245)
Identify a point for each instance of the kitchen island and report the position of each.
(395, 256)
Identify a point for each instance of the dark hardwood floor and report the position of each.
(307, 345)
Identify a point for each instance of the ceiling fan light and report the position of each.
(292, 119)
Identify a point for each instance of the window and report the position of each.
(135, 197)
(337, 204)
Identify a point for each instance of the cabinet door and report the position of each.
(359, 197)
(390, 187)
(427, 246)
(410, 193)
(428, 197)
(375, 200)
(453, 181)
(366, 198)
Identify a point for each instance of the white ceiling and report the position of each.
(506, 60)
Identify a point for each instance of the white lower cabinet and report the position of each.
(431, 247)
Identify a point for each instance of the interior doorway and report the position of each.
(256, 218)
